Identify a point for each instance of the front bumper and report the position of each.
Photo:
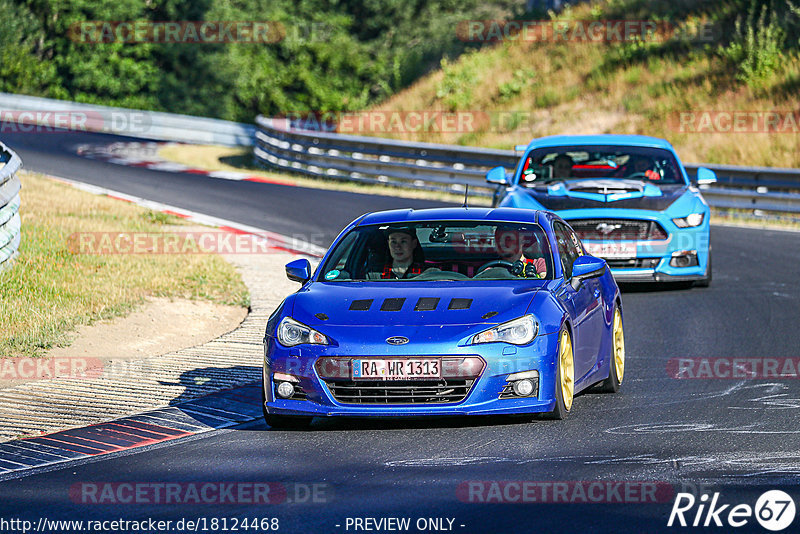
(652, 275)
(483, 398)
(659, 255)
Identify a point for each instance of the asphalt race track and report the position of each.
(736, 435)
(272, 207)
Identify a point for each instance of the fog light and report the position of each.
(285, 390)
(684, 258)
(523, 388)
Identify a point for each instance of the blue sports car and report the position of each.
(628, 197)
(444, 312)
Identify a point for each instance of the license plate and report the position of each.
(406, 369)
(611, 250)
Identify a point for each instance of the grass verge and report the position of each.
(49, 290)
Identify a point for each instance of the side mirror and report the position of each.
(706, 176)
(586, 267)
(299, 271)
(497, 176)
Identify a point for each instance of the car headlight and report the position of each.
(690, 221)
(291, 333)
(519, 331)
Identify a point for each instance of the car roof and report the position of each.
(452, 214)
(601, 139)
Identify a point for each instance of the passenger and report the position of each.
(407, 258)
(522, 251)
(562, 166)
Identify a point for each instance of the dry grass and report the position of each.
(579, 88)
(49, 290)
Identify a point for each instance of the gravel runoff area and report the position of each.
(125, 387)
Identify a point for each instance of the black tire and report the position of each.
(705, 282)
(288, 422)
(612, 383)
(561, 410)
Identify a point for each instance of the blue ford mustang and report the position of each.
(443, 312)
(628, 198)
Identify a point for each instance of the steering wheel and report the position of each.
(495, 263)
(638, 175)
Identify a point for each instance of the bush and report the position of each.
(761, 39)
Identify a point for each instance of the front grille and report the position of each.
(617, 230)
(633, 263)
(399, 391)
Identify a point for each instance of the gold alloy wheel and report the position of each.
(619, 346)
(567, 369)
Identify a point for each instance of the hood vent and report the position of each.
(321, 316)
(460, 304)
(361, 305)
(392, 304)
(426, 304)
(488, 315)
(607, 187)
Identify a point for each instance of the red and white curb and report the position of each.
(215, 411)
(145, 155)
(272, 240)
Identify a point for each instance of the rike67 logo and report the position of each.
(774, 510)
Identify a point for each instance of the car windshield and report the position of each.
(437, 251)
(644, 164)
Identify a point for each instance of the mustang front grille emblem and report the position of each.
(605, 228)
(397, 340)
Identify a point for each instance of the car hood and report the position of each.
(606, 193)
(370, 303)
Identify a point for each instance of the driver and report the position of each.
(562, 166)
(406, 252)
(642, 165)
(521, 249)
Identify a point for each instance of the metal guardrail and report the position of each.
(375, 160)
(29, 111)
(429, 166)
(10, 222)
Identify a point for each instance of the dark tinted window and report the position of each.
(642, 164)
(443, 250)
(569, 247)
